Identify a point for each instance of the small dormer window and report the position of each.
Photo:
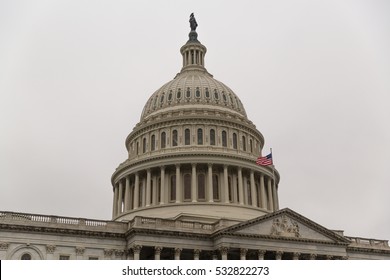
(162, 98)
(170, 96)
(197, 93)
(216, 96)
(207, 93)
(178, 95)
(188, 93)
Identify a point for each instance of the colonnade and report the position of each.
(138, 252)
(196, 182)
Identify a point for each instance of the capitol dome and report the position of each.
(193, 153)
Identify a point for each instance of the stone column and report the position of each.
(154, 190)
(224, 252)
(261, 254)
(49, 252)
(136, 191)
(270, 198)
(243, 252)
(240, 187)
(226, 183)
(264, 204)
(148, 187)
(253, 189)
(177, 253)
(178, 185)
(162, 185)
(275, 197)
(278, 255)
(193, 183)
(235, 194)
(129, 254)
(196, 254)
(296, 255)
(210, 182)
(120, 198)
(157, 253)
(137, 251)
(114, 203)
(127, 194)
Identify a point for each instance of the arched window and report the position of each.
(163, 140)
(251, 145)
(153, 142)
(212, 137)
(26, 256)
(141, 195)
(144, 145)
(187, 137)
(173, 188)
(137, 148)
(215, 187)
(174, 138)
(234, 141)
(200, 136)
(159, 190)
(244, 143)
(201, 187)
(224, 139)
(187, 187)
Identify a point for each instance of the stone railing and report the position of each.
(143, 222)
(31, 219)
(369, 242)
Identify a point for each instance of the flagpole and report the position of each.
(273, 175)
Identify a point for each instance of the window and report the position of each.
(153, 143)
(201, 187)
(207, 93)
(173, 188)
(212, 137)
(244, 143)
(141, 195)
(224, 97)
(174, 138)
(144, 145)
(234, 141)
(251, 145)
(26, 256)
(197, 93)
(159, 189)
(170, 96)
(162, 99)
(178, 95)
(224, 139)
(187, 137)
(215, 187)
(200, 136)
(63, 257)
(163, 140)
(188, 93)
(216, 96)
(248, 189)
(137, 148)
(187, 187)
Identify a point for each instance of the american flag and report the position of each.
(267, 160)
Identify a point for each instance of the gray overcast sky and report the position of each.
(314, 76)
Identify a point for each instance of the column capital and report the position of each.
(210, 165)
(329, 257)
(50, 248)
(243, 252)
(225, 166)
(137, 249)
(119, 253)
(162, 167)
(177, 165)
(193, 164)
(260, 254)
(296, 255)
(108, 252)
(278, 255)
(158, 249)
(80, 251)
(223, 249)
(313, 256)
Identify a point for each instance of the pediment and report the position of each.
(283, 224)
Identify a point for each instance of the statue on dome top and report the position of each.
(193, 23)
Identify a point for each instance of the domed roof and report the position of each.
(193, 87)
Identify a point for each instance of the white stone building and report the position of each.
(190, 188)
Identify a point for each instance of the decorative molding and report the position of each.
(108, 253)
(284, 226)
(50, 248)
(119, 253)
(4, 245)
(80, 251)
